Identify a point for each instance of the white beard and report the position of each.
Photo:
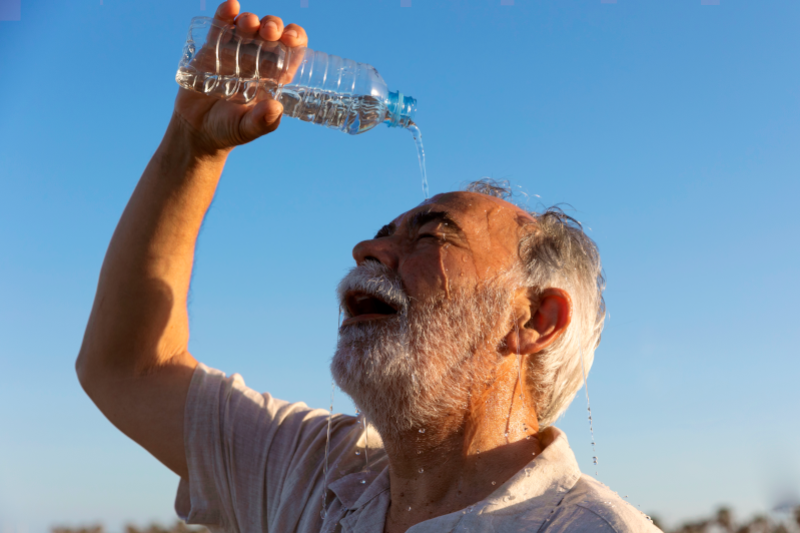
(416, 367)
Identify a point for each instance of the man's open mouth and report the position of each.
(362, 306)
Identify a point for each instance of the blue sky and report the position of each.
(671, 128)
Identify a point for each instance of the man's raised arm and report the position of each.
(134, 361)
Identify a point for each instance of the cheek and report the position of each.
(436, 271)
(423, 275)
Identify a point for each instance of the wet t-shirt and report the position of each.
(257, 464)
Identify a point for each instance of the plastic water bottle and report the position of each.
(312, 86)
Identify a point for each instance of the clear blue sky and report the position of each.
(671, 127)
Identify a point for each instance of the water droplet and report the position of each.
(358, 452)
(494, 482)
(588, 408)
(409, 508)
(363, 481)
(505, 434)
(419, 452)
(528, 437)
(470, 508)
(421, 470)
(422, 430)
(324, 512)
(478, 452)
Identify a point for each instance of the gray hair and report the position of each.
(555, 252)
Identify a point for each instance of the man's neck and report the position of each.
(454, 463)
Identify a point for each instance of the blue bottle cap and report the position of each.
(401, 110)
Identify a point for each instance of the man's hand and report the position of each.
(219, 125)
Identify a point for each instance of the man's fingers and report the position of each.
(271, 28)
(294, 35)
(227, 11)
(247, 25)
(263, 118)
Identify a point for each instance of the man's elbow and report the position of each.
(85, 372)
(95, 368)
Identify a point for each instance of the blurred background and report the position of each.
(670, 129)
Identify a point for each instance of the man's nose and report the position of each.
(381, 250)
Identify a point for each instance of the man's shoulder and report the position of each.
(592, 506)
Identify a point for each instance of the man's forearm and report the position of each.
(139, 320)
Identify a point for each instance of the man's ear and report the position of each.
(540, 319)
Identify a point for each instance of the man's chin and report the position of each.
(382, 390)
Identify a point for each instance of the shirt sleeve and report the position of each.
(247, 453)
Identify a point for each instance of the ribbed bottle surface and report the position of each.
(312, 86)
(335, 92)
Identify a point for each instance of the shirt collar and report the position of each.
(540, 484)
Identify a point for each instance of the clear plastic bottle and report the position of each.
(312, 86)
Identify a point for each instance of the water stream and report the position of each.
(365, 423)
(589, 407)
(414, 129)
(323, 511)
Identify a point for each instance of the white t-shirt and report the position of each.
(256, 465)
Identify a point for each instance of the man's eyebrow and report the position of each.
(419, 220)
(422, 218)
(385, 231)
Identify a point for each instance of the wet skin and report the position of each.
(460, 240)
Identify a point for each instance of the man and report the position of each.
(468, 326)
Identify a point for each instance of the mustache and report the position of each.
(374, 279)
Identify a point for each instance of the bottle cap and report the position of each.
(401, 109)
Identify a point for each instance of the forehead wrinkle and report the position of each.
(499, 219)
(486, 230)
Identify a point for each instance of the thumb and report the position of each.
(263, 118)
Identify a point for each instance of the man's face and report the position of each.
(457, 239)
(425, 307)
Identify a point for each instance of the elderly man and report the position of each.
(468, 325)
